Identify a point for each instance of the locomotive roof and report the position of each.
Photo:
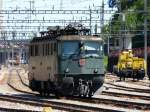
(66, 38)
(78, 37)
(45, 38)
(68, 33)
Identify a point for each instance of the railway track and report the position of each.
(83, 104)
(121, 87)
(69, 105)
(101, 100)
(145, 82)
(2, 109)
(137, 86)
(21, 82)
(54, 104)
(142, 83)
(21, 79)
(127, 95)
(57, 104)
(113, 102)
(120, 100)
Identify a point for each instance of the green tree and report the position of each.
(134, 16)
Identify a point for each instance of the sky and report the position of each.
(50, 5)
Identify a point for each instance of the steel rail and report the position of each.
(21, 79)
(54, 104)
(115, 102)
(131, 104)
(140, 83)
(3, 109)
(126, 95)
(119, 87)
(119, 103)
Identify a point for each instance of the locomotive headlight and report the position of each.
(95, 71)
(67, 70)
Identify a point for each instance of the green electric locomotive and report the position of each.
(66, 62)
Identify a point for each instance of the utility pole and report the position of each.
(4, 36)
(61, 4)
(90, 20)
(31, 8)
(12, 51)
(102, 15)
(124, 31)
(1, 17)
(145, 33)
(108, 39)
(121, 26)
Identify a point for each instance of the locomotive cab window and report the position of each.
(70, 48)
(86, 48)
(93, 49)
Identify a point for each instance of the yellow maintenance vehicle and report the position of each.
(129, 66)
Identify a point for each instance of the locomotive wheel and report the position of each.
(122, 75)
(84, 91)
(68, 86)
(135, 76)
(81, 90)
(67, 89)
(90, 94)
(142, 75)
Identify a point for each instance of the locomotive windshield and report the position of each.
(92, 49)
(70, 48)
(87, 49)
